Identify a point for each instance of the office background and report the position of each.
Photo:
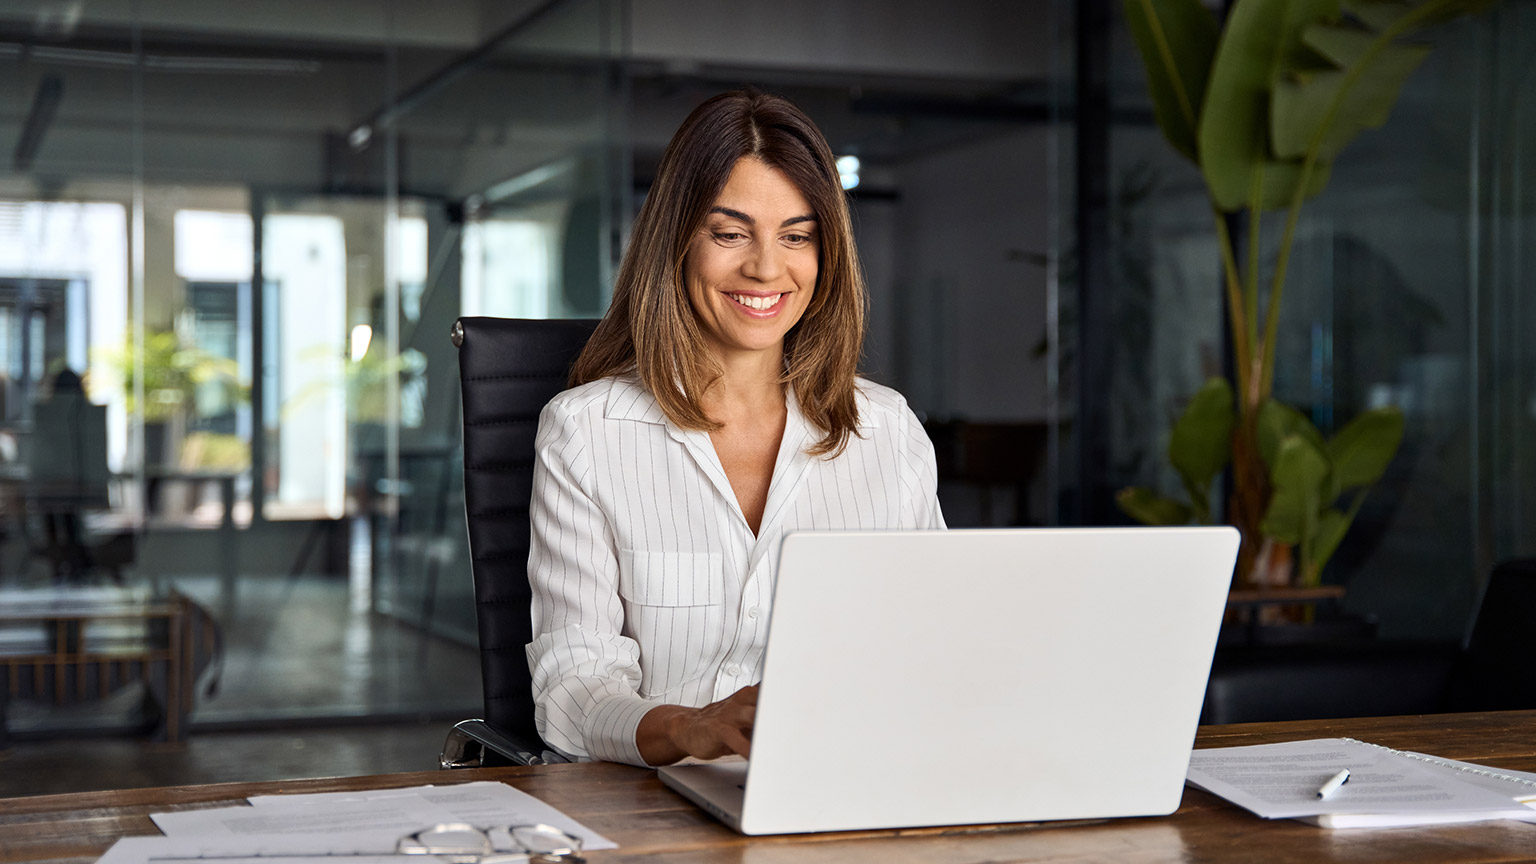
(249, 227)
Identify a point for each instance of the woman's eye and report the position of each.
(729, 236)
(797, 239)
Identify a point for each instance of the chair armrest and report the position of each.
(1327, 681)
(469, 740)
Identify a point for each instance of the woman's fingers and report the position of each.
(738, 743)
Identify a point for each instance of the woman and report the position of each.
(715, 408)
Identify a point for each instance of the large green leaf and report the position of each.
(1150, 508)
(1234, 143)
(1386, 14)
(1299, 477)
(1201, 443)
(1379, 14)
(1176, 40)
(1280, 181)
(1322, 111)
(1349, 73)
(1361, 451)
(1276, 422)
(1332, 525)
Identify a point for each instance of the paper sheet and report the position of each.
(392, 818)
(483, 803)
(1279, 781)
(149, 850)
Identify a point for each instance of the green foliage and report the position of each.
(1263, 104)
(212, 451)
(1307, 473)
(1199, 449)
(1150, 508)
(175, 377)
(1201, 443)
(1278, 421)
(1258, 40)
(1181, 35)
(1309, 476)
(365, 381)
(1361, 451)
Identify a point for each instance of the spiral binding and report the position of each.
(1442, 763)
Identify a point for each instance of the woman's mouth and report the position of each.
(757, 303)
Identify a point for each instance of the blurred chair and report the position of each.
(508, 370)
(1493, 672)
(988, 457)
(1366, 677)
(65, 468)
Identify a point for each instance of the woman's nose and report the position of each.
(765, 262)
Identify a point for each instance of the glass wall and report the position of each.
(248, 232)
(1405, 288)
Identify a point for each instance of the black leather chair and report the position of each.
(508, 370)
(1362, 678)
(1492, 672)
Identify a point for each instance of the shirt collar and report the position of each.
(629, 400)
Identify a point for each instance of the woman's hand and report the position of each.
(668, 733)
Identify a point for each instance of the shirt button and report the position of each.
(754, 612)
(733, 670)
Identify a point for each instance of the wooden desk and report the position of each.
(652, 824)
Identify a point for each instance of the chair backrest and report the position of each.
(508, 370)
(66, 453)
(1494, 674)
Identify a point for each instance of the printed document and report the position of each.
(1386, 787)
(364, 826)
(484, 803)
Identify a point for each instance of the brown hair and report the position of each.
(650, 327)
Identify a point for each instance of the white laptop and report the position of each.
(976, 676)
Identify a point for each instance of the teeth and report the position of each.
(758, 303)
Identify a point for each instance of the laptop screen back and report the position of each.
(936, 678)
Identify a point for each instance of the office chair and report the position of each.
(508, 370)
(1492, 673)
(1487, 672)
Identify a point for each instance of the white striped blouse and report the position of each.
(649, 586)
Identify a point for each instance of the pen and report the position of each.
(1333, 784)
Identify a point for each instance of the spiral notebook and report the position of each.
(1386, 788)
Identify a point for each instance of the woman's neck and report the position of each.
(748, 384)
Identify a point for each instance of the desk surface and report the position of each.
(652, 824)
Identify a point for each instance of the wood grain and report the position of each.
(652, 824)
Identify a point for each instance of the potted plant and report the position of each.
(1263, 104)
(174, 374)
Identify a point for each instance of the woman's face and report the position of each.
(752, 268)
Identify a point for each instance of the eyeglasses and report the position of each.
(451, 842)
(463, 843)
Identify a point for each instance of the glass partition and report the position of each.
(1404, 289)
(249, 233)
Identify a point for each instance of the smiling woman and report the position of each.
(716, 408)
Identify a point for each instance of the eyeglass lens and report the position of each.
(546, 840)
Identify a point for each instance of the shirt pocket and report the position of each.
(674, 608)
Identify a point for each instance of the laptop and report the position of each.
(976, 676)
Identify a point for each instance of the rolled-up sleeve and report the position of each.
(586, 673)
